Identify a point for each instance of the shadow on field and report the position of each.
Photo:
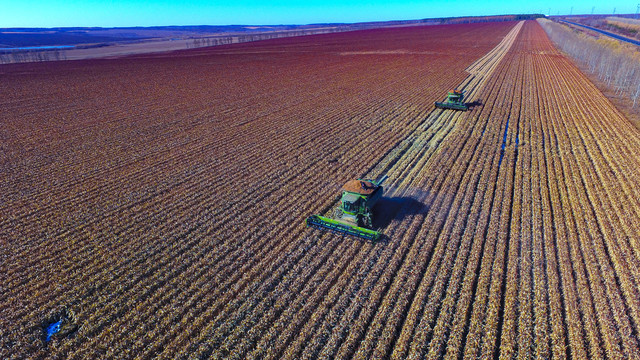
(396, 208)
(472, 105)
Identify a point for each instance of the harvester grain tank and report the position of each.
(354, 216)
(454, 101)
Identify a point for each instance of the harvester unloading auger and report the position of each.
(354, 216)
(454, 101)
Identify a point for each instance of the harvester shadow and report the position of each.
(391, 209)
(471, 105)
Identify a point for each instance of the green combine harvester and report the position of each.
(354, 216)
(454, 101)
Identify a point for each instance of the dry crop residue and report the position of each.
(162, 200)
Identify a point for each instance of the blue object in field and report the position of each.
(53, 328)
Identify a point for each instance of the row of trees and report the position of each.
(214, 41)
(614, 64)
(20, 56)
(36, 55)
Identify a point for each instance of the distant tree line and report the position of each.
(614, 64)
(223, 40)
(21, 56)
(482, 19)
(200, 42)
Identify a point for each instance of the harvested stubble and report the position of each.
(161, 198)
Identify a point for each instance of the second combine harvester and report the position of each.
(354, 216)
(454, 101)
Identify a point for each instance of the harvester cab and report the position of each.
(454, 101)
(354, 215)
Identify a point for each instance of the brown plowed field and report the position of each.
(159, 202)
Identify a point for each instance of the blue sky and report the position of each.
(113, 13)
